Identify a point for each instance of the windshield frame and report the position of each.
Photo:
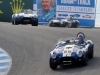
(25, 11)
(68, 41)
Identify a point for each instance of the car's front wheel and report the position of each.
(91, 53)
(51, 24)
(64, 25)
(70, 25)
(15, 22)
(76, 25)
(35, 23)
(12, 22)
(85, 60)
(52, 64)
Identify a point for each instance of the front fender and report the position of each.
(13, 17)
(89, 42)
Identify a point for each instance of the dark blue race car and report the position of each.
(25, 16)
(70, 50)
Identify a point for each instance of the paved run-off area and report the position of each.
(29, 49)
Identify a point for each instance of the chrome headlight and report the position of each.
(80, 53)
(54, 55)
(18, 16)
(35, 16)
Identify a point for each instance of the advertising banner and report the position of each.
(9, 7)
(82, 10)
(46, 10)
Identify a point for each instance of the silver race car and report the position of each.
(67, 22)
(25, 16)
(70, 23)
(71, 51)
(55, 23)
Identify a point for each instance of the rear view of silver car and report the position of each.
(70, 23)
(67, 22)
(54, 23)
(25, 16)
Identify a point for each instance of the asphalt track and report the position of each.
(29, 48)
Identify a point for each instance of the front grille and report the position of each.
(67, 59)
(56, 24)
(26, 18)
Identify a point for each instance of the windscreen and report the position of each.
(66, 41)
(25, 11)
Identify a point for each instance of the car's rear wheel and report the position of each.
(64, 25)
(69, 25)
(52, 64)
(51, 24)
(76, 25)
(91, 53)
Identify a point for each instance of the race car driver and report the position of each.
(71, 18)
(81, 39)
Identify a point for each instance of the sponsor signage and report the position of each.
(82, 10)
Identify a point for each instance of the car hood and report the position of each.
(64, 20)
(55, 20)
(68, 48)
(27, 15)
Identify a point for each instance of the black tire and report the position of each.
(12, 22)
(51, 24)
(15, 22)
(69, 25)
(91, 53)
(32, 24)
(76, 25)
(85, 62)
(53, 65)
(35, 23)
(64, 25)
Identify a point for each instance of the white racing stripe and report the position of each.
(68, 50)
